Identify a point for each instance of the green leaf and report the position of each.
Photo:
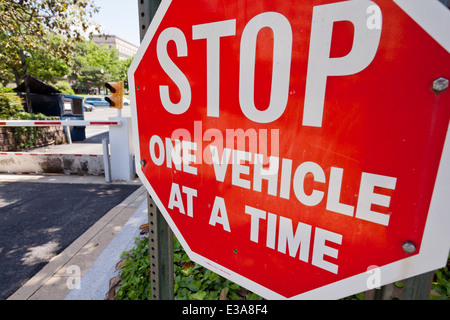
(194, 285)
(252, 296)
(200, 295)
(438, 274)
(187, 271)
(183, 294)
(234, 286)
(213, 276)
(232, 295)
(213, 295)
(360, 296)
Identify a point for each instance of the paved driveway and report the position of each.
(39, 220)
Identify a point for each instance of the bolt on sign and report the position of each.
(296, 146)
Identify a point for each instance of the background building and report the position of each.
(124, 48)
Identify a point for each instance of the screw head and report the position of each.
(143, 163)
(440, 84)
(408, 247)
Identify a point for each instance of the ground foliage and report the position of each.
(194, 282)
(441, 283)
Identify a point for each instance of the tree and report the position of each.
(47, 67)
(93, 65)
(123, 72)
(29, 24)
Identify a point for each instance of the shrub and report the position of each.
(192, 281)
(11, 108)
(28, 137)
(64, 87)
(136, 283)
(10, 105)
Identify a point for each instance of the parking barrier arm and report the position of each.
(45, 123)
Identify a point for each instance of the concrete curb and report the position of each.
(51, 282)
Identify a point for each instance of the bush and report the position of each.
(6, 89)
(29, 137)
(135, 273)
(11, 108)
(64, 87)
(10, 105)
(192, 281)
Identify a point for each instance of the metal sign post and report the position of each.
(160, 236)
(161, 253)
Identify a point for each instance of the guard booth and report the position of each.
(50, 101)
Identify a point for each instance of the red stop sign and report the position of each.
(298, 147)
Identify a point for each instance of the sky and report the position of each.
(119, 18)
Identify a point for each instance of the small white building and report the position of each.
(124, 48)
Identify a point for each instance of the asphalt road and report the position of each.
(39, 220)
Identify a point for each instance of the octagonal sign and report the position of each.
(299, 148)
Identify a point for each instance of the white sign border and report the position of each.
(435, 20)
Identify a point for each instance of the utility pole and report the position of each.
(160, 235)
(24, 53)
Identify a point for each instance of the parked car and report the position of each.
(97, 101)
(88, 107)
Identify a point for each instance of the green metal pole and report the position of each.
(161, 254)
(160, 235)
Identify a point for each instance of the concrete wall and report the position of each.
(83, 164)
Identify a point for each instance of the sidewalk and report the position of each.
(97, 246)
(94, 285)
